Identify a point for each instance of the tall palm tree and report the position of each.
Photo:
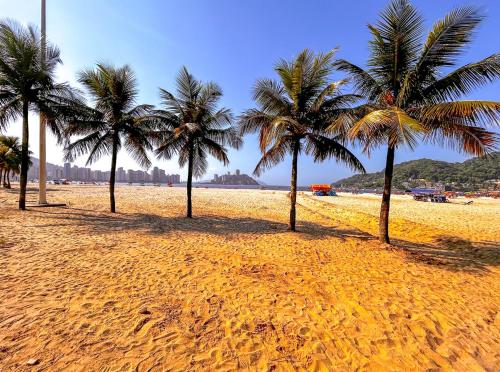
(113, 122)
(413, 95)
(294, 114)
(192, 127)
(28, 84)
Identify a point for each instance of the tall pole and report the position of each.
(42, 177)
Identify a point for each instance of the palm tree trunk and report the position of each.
(8, 180)
(386, 197)
(293, 186)
(1, 174)
(24, 158)
(4, 181)
(190, 184)
(112, 174)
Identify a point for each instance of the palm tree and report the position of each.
(113, 122)
(192, 126)
(14, 166)
(4, 150)
(10, 158)
(294, 115)
(28, 84)
(411, 93)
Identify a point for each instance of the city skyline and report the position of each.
(73, 172)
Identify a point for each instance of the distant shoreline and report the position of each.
(220, 186)
(195, 185)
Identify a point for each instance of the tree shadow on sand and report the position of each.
(448, 252)
(453, 253)
(101, 222)
(29, 190)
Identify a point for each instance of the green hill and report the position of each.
(472, 174)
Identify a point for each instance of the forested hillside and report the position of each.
(471, 174)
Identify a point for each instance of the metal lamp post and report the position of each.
(42, 177)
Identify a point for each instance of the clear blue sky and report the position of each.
(233, 43)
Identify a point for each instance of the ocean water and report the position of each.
(217, 186)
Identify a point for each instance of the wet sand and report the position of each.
(147, 289)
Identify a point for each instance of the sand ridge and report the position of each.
(81, 289)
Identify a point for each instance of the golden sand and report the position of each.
(82, 289)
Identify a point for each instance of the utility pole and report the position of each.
(42, 177)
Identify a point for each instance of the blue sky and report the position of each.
(232, 43)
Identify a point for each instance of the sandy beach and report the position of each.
(147, 289)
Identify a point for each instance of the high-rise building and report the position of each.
(121, 175)
(162, 176)
(156, 175)
(74, 173)
(105, 176)
(33, 172)
(173, 178)
(67, 170)
(85, 174)
(131, 176)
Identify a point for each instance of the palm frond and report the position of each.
(136, 146)
(278, 127)
(95, 144)
(327, 91)
(170, 145)
(364, 83)
(188, 88)
(392, 126)
(448, 38)
(406, 130)
(218, 119)
(345, 118)
(252, 120)
(227, 136)
(209, 96)
(216, 150)
(200, 163)
(322, 148)
(171, 103)
(395, 42)
(140, 111)
(10, 110)
(275, 155)
(271, 97)
(113, 89)
(463, 80)
(468, 139)
(486, 113)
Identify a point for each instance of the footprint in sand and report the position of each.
(141, 324)
(86, 305)
(304, 331)
(109, 305)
